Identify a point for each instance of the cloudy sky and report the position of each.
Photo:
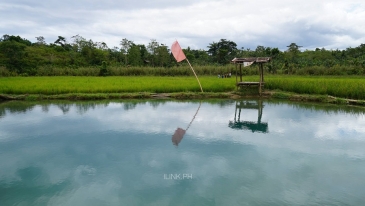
(330, 24)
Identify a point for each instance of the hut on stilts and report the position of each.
(239, 62)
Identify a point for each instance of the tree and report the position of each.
(162, 56)
(80, 42)
(293, 48)
(126, 45)
(7, 37)
(103, 70)
(223, 51)
(13, 54)
(102, 45)
(274, 52)
(41, 40)
(152, 49)
(293, 52)
(61, 41)
(144, 52)
(201, 57)
(134, 55)
(260, 51)
(115, 55)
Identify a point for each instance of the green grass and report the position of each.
(352, 87)
(66, 84)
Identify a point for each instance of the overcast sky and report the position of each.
(330, 24)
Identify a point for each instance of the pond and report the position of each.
(164, 152)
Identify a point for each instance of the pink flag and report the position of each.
(177, 52)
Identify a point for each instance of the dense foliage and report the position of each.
(19, 56)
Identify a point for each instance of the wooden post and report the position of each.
(262, 75)
(241, 72)
(236, 78)
(260, 83)
(262, 70)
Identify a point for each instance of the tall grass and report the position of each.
(182, 70)
(121, 71)
(63, 84)
(340, 86)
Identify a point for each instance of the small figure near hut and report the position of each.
(226, 75)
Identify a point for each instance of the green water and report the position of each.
(222, 152)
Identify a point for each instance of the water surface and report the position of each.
(222, 152)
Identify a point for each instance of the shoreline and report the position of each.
(186, 95)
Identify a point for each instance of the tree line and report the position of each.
(21, 56)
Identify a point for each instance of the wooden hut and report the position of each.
(246, 62)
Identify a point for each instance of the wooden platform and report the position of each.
(250, 83)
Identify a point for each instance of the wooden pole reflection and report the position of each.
(179, 132)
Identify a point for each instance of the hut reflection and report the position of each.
(253, 126)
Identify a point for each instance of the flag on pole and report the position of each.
(177, 52)
(179, 56)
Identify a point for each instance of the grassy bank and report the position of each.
(312, 88)
(352, 87)
(129, 84)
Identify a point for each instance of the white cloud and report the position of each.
(329, 24)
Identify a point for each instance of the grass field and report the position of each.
(352, 87)
(66, 84)
(340, 86)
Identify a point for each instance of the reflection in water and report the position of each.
(116, 153)
(17, 107)
(249, 125)
(179, 133)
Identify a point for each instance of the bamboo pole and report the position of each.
(195, 74)
(260, 78)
